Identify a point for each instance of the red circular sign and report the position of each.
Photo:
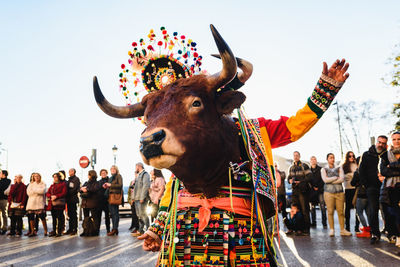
(84, 162)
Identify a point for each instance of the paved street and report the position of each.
(124, 250)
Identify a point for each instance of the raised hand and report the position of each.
(337, 71)
(149, 244)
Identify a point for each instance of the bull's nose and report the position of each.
(150, 146)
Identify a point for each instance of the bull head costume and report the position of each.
(190, 131)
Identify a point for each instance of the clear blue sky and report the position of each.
(50, 51)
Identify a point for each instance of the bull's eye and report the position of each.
(196, 103)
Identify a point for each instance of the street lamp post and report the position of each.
(114, 150)
(340, 130)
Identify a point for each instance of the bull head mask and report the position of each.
(217, 80)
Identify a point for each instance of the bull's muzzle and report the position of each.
(150, 146)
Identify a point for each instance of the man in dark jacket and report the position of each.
(4, 184)
(72, 199)
(300, 178)
(103, 205)
(368, 170)
(317, 195)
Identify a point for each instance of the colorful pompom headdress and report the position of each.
(156, 62)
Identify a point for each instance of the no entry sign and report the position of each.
(84, 162)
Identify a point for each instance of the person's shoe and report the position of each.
(3, 232)
(18, 234)
(298, 233)
(305, 233)
(113, 232)
(52, 233)
(27, 234)
(137, 233)
(364, 233)
(332, 232)
(58, 235)
(368, 229)
(397, 241)
(45, 234)
(289, 232)
(357, 230)
(11, 234)
(392, 239)
(344, 232)
(73, 233)
(314, 224)
(325, 226)
(83, 234)
(32, 234)
(374, 239)
(67, 232)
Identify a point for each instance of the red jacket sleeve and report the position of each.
(48, 194)
(279, 134)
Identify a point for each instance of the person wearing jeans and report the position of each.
(141, 197)
(349, 167)
(333, 194)
(361, 204)
(114, 186)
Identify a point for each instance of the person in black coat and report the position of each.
(90, 205)
(73, 185)
(103, 202)
(368, 170)
(317, 193)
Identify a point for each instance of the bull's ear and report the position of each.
(229, 101)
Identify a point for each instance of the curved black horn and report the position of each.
(125, 112)
(244, 65)
(229, 68)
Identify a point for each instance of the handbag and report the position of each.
(115, 199)
(15, 205)
(58, 201)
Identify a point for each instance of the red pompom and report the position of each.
(164, 32)
(134, 44)
(183, 37)
(160, 43)
(123, 66)
(195, 54)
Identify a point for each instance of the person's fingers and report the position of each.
(341, 64)
(346, 76)
(144, 236)
(335, 64)
(346, 66)
(324, 68)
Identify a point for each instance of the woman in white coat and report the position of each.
(36, 203)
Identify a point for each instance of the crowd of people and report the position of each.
(370, 184)
(65, 195)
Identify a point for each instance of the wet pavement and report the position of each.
(124, 250)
